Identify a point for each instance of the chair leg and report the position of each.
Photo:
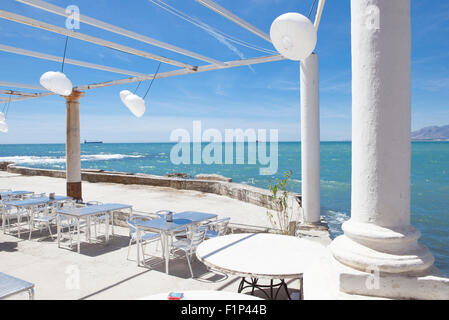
(49, 230)
(188, 262)
(129, 247)
(19, 222)
(31, 230)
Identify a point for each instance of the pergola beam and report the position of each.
(114, 29)
(37, 95)
(319, 13)
(20, 85)
(77, 35)
(45, 56)
(18, 93)
(230, 16)
(174, 73)
(230, 64)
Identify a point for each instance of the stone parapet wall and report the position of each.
(257, 196)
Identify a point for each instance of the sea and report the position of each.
(429, 176)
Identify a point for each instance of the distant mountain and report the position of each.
(432, 133)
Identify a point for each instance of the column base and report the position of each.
(431, 284)
(321, 225)
(367, 247)
(74, 190)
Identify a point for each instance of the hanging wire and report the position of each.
(65, 51)
(152, 80)
(208, 28)
(137, 87)
(311, 9)
(6, 108)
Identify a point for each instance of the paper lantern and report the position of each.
(124, 94)
(2, 117)
(3, 127)
(293, 35)
(133, 102)
(56, 82)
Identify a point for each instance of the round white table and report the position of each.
(261, 256)
(204, 295)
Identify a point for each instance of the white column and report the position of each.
(379, 234)
(73, 148)
(310, 140)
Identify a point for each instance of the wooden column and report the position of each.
(73, 148)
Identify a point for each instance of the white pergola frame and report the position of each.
(73, 174)
(186, 68)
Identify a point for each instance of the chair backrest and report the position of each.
(196, 236)
(163, 213)
(39, 195)
(94, 203)
(43, 209)
(133, 220)
(220, 226)
(8, 198)
(69, 204)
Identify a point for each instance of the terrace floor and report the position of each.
(102, 271)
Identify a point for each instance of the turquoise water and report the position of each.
(430, 177)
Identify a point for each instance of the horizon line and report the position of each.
(172, 142)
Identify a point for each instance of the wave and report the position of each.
(334, 220)
(34, 160)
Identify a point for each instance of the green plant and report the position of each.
(282, 218)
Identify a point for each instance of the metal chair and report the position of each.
(145, 237)
(194, 238)
(11, 212)
(38, 195)
(97, 219)
(216, 228)
(43, 216)
(5, 213)
(68, 223)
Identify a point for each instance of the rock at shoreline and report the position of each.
(213, 177)
(178, 175)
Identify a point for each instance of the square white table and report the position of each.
(167, 229)
(86, 213)
(18, 193)
(28, 204)
(10, 285)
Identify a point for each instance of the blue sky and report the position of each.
(264, 96)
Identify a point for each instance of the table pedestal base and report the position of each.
(253, 284)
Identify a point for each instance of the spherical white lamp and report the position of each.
(133, 102)
(56, 82)
(293, 35)
(3, 127)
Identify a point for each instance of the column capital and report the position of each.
(74, 96)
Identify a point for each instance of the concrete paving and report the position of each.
(103, 271)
